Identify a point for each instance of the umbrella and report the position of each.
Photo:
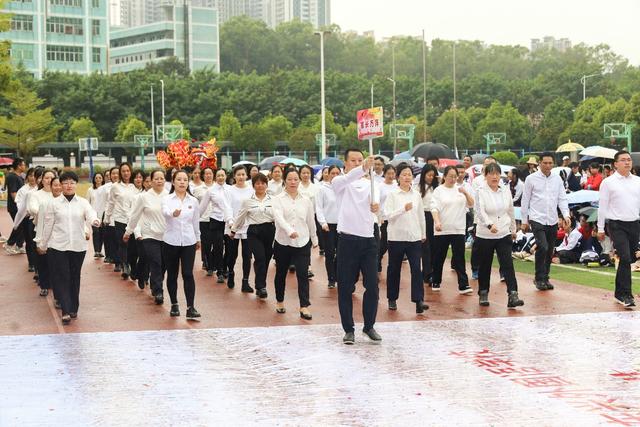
(405, 155)
(598, 151)
(385, 158)
(429, 149)
(477, 159)
(269, 162)
(558, 169)
(583, 196)
(5, 161)
(591, 213)
(569, 147)
(332, 161)
(443, 163)
(296, 162)
(242, 163)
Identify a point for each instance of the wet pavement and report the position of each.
(581, 369)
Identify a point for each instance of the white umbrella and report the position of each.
(583, 196)
(242, 162)
(598, 151)
(558, 169)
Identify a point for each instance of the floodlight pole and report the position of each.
(164, 137)
(153, 126)
(323, 131)
(583, 80)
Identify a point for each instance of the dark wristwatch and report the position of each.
(489, 226)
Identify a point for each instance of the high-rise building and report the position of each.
(551, 43)
(181, 30)
(58, 35)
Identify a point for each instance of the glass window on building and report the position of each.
(95, 3)
(65, 53)
(95, 26)
(71, 26)
(21, 52)
(96, 55)
(73, 3)
(22, 23)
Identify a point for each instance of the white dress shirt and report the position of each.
(427, 200)
(120, 200)
(98, 200)
(353, 194)
(64, 224)
(541, 198)
(254, 211)
(494, 208)
(326, 205)
(216, 200)
(405, 225)
(385, 189)
(237, 196)
(37, 201)
(619, 199)
(274, 188)
(571, 241)
(183, 230)
(22, 200)
(451, 205)
(309, 191)
(147, 216)
(199, 192)
(294, 215)
(519, 189)
(106, 191)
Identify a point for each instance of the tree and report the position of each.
(130, 127)
(506, 158)
(185, 132)
(278, 126)
(254, 137)
(229, 126)
(26, 125)
(504, 118)
(442, 129)
(582, 132)
(82, 127)
(558, 115)
(303, 139)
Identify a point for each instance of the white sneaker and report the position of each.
(3, 239)
(22, 250)
(11, 249)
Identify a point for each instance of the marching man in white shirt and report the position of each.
(357, 247)
(620, 206)
(64, 238)
(543, 195)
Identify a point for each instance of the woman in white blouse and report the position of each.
(516, 185)
(257, 213)
(449, 208)
(495, 233)
(22, 218)
(138, 270)
(238, 193)
(98, 201)
(121, 196)
(327, 215)
(427, 183)
(181, 239)
(64, 240)
(388, 184)
(35, 208)
(216, 202)
(275, 184)
(406, 233)
(149, 224)
(199, 189)
(110, 244)
(310, 189)
(295, 234)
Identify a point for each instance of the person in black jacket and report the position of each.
(573, 180)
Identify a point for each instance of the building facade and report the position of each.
(551, 43)
(181, 30)
(58, 35)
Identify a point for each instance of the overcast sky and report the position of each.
(499, 21)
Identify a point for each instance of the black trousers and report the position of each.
(216, 254)
(44, 275)
(298, 257)
(260, 243)
(397, 251)
(65, 268)
(384, 244)
(30, 245)
(153, 257)
(17, 234)
(205, 241)
(319, 234)
(121, 245)
(330, 250)
(502, 247)
(545, 236)
(569, 257)
(428, 249)
(110, 250)
(625, 236)
(180, 258)
(98, 238)
(357, 254)
(137, 259)
(233, 256)
(458, 259)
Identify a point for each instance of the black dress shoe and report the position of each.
(230, 282)
(331, 285)
(372, 335)
(421, 307)
(192, 313)
(484, 298)
(44, 292)
(349, 338)
(514, 301)
(540, 285)
(209, 273)
(175, 310)
(117, 269)
(392, 305)
(66, 319)
(548, 285)
(141, 283)
(305, 313)
(57, 304)
(310, 274)
(158, 299)
(261, 293)
(220, 279)
(73, 315)
(246, 288)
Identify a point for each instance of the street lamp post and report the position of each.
(323, 131)
(583, 80)
(163, 128)
(371, 95)
(153, 126)
(395, 140)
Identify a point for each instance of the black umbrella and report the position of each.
(429, 149)
(268, 162)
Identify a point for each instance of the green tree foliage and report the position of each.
(229, 126)
(254, 137)
(129, 128)
(558, 115)
(442, 129)
(506, 158)
(26, 125)
(279, 127)
(82, 127)
(186, 134)
(504, 118)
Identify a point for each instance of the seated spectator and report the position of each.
(608, 171)
(595, 178)
(570, 249)
(573, 181)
